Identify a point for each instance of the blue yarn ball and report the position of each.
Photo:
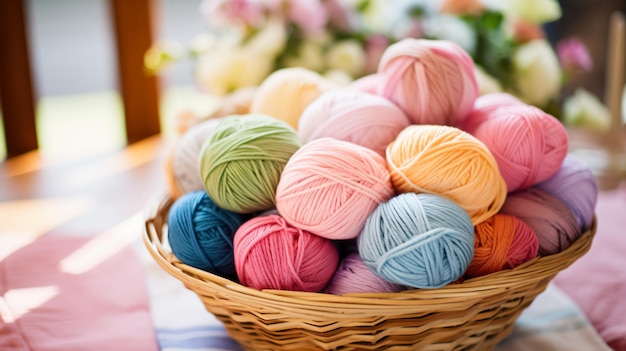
(418, 240)
(201, 234)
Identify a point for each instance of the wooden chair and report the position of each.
(133, 26)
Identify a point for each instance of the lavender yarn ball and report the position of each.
(550, 218)
(576, 186)
(352, 276)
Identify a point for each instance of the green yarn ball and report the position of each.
(242, 162)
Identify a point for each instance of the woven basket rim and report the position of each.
(195, 279)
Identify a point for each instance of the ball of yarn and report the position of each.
(418, 240)
(271, 254)
(352, 276)
(242, 162)
(433, 81)
(285, 93)
(185, 167)
(446, 161)
(553, 222)
(528, 144)
(360, 118)
(201, 234)
(367, 84)
(484, 106)
(576, 186)
(501, 242)
(329, 187)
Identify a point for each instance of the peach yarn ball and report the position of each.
(329, 187)
(447, 161)
(360, 118)
(528, 144)
(433, 81)
(285, 93)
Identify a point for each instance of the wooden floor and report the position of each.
(80, 197)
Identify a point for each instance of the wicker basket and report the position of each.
(474, 315)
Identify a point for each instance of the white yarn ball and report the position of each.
(185, 164)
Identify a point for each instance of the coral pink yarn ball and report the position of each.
(271, 254)
(528, 144)
(433, 81)
(329, 187)
(484, 107)
(364, 119)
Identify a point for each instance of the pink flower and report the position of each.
(573, 55)
(226, 12)
(462, 7)
(525, 31)
(375, 46)
(309, 15)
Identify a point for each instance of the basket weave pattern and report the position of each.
(474, 315)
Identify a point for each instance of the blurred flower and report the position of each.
(534, 11)
(309, 54)
(375, 46)
(525, 31)
(537, 75)
(347, 55)
(220, 13)
(160, 55)
(486, 83)
(446, 27)
(309, 15)
(461, 7)
(573, 56)
(583, 109)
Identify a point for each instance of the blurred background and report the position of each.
(79, 111)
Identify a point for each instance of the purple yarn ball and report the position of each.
(576, 186)
(352, 276)
(550, 218)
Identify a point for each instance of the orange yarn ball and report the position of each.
(501, 242)
(447, 161)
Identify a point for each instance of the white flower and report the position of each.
(452, 28)
(270, 40)
(585, 110)
(228, 67)
(537, 74)
(535, 11)
(348, 56)
(486, 83)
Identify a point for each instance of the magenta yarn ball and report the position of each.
(433, 81)
(528, 144)
(352, 276)
(483, 108)
(360, 118)
(329, 187)
(271, 254)
(553, 222)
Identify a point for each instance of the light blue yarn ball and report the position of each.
(201, 234)
(418, 240)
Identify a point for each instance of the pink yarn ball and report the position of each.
(483, 108)
(271, 254)
(433, 81)
(551, 220)
(352, 276)
(528, 144)
(329, 187)
(368, 84)
(364, 119)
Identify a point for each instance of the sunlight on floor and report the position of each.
(78, 126)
